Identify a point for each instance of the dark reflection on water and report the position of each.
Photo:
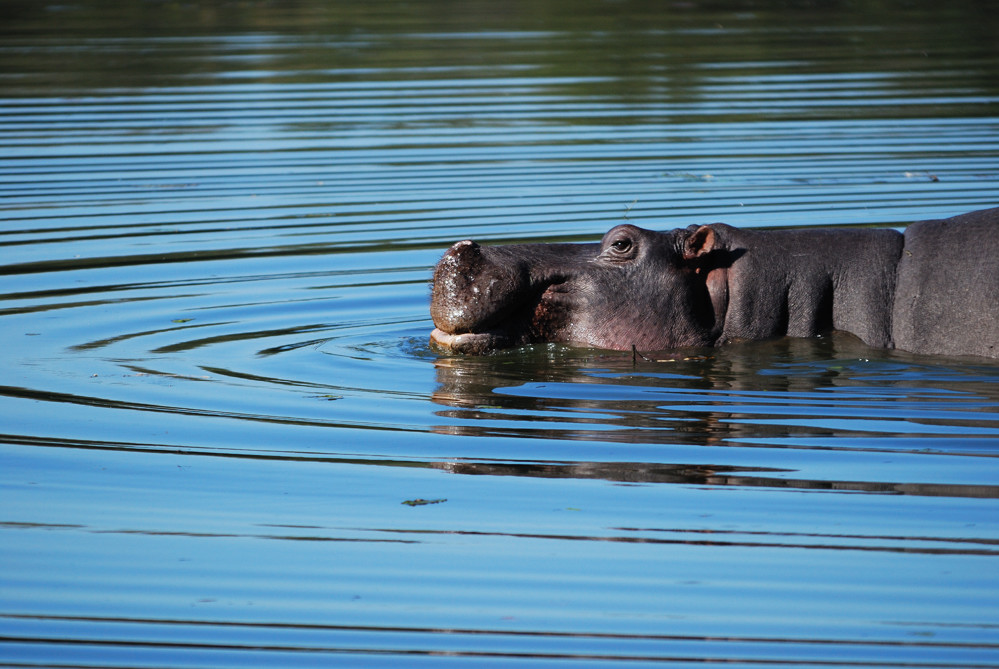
(226, 441)
(694, 395)
(710, 475)
(791, 394)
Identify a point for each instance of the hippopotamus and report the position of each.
(933, 289)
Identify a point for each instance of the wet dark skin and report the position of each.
(934, 289)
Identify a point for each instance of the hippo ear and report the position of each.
(699, 243)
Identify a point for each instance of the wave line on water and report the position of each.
(714, 543)
(497, 632)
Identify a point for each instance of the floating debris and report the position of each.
(423, 502)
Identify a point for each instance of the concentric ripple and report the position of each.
(227, 441)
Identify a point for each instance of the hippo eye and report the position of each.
(622, 245)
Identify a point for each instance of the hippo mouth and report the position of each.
(470, 342)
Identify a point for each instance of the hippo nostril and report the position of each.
(461, 257)
(463, 248)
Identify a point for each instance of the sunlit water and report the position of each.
(226, 440)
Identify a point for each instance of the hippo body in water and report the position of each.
(933, 290)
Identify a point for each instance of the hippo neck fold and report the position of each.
(803, 283)
(716, 281)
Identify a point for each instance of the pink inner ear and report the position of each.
(701, 242)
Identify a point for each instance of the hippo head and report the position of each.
(650, 290)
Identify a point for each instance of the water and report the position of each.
(226, 441)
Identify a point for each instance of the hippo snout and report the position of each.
(474, 290)
(451, 307)
(471, 291)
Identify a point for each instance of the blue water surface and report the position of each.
(226, 439)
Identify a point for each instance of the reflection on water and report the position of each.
(722, 395)
(789, 394)
(219, 402)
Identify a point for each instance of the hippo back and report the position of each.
(947, 290)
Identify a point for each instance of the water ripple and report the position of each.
(221, 408)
